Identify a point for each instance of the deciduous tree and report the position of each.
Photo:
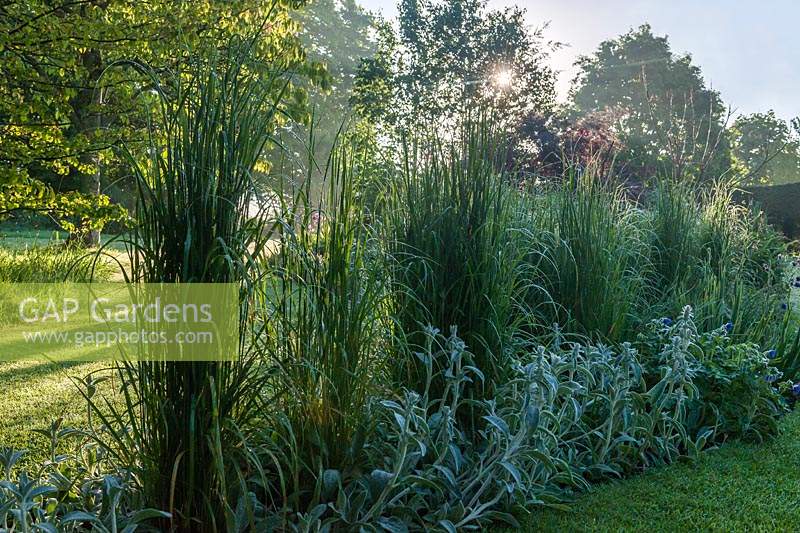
(766, 150)
(449, 56)
(670, 122)
(65, 108)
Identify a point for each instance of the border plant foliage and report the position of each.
(83, 490)
(571, 414)
(52, 263)
(449, 233)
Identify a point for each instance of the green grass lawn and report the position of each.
(738, 487)
(17, 237)
(33, 393)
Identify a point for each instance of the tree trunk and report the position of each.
(86, 120)
(90, 184)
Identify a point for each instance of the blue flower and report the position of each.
(796, 389)
(772, 353)
(666, 321)
(771, 378)
(728, 327)
(784, 306)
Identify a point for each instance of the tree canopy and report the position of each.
(66, 101)
(766, 150)
(666, 117)
(337, 34)
(452, 55)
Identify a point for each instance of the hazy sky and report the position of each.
(748, 50)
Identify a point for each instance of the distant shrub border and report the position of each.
(781, 204)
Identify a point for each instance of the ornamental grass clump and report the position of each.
(718, 256)
(454, 261)
(588, 256)
(47, 264)
(181, 426)
(327, 333)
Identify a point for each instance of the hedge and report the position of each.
(781, 204)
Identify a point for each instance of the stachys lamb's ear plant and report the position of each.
(181, 422)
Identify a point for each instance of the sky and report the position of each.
(747, 50)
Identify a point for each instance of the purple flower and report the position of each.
(666, 321)
(772, 353)
(728, 327)
(796, 389)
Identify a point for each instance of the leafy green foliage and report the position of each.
(451, 56)
(337, 34)
(77, 491)
(730, 265)
(765, 149)
(70, 97)
(346, 408)
(737, 392)
(603, 266)
(73, 211)
(569, 414)
(669, 122)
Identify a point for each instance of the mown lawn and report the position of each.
(16, 237)
(33, 394)
(738, 487)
